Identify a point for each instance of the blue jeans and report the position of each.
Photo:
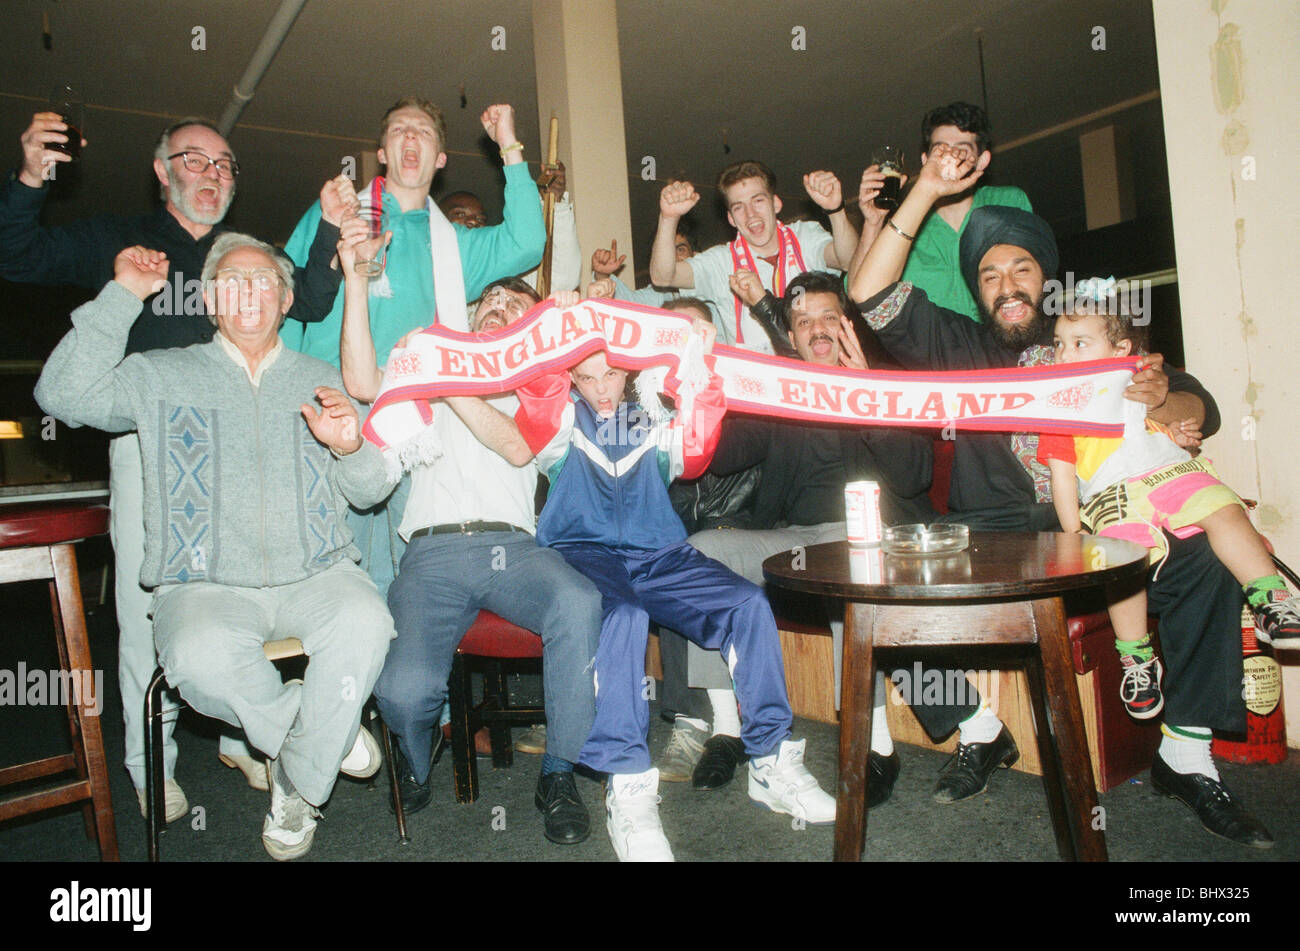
(443, 582)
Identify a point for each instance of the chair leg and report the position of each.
(464, 765)
(153, 761)
(398, 810)
(496, 698)
(64, 562)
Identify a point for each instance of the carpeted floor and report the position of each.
(1009, 823)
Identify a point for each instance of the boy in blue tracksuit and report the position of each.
(609, 463)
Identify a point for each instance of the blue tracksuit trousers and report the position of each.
(709, 603)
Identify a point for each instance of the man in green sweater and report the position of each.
(245, 488)
(953, 133)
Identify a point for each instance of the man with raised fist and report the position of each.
(763, 245)
(196, 171)
(433, 266)
(245, 486)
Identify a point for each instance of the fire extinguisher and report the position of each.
(1261, 688)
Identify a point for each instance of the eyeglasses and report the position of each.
(198, 163)
(261, 278)
(500, 297)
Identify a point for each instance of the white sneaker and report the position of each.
(175, 805)
(254, 770)
(290, 826)
(364, 759)
(632, 817)
(782, 783)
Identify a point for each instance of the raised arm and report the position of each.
(676, 199)
(825, 190)
(315, 278)
(361, 375)
(85, 381)
(516, 245)
(883, 262)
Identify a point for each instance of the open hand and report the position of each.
(337, 425)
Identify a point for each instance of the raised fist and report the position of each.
(499, 123)
(824, 189)
(677, 199)
(746, 285)
(141, 271)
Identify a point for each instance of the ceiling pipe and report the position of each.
(246, 88)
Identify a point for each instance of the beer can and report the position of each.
(862, 513)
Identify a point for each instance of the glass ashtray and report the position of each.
(925, 539)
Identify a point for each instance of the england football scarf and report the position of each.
(789, 259)
(1078, 398)
(448, 280)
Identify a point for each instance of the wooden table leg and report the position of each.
(856, 699)
(1066, 730)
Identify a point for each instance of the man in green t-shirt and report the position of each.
(962, 130)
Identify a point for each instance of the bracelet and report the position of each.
(837, 209)
(901, 232)
(518, 146)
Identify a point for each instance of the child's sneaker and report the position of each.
(782, 783)
(632, 817)
(1277, 621)
(1140, 686)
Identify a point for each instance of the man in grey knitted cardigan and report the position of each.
(246, 483)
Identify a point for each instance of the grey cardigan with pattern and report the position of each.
(237, 491)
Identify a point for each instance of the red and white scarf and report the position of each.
(1080, 398)
(789, 259)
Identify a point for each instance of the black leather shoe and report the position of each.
(717, 765)
(1212, 803)
(415, 796)
(883, 773)
(967, 773)
(564, 814)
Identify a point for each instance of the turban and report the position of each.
(992, 225)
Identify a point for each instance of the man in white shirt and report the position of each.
(763, 245)
(469, 525)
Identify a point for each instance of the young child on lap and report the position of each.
(1135, 486)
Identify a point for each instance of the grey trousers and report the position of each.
(210, 639)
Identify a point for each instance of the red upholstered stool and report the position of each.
(489, 641)
(36, 543)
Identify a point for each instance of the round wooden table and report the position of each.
(1004, 589)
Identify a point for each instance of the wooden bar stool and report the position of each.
(489, 641)
(36, 543)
